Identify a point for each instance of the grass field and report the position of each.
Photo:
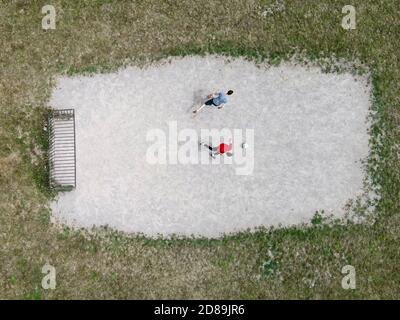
(98, 36)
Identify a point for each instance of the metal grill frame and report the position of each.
(54, 160)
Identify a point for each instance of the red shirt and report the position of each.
(224, 148)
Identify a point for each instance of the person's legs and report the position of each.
(201, 107)
(207, 103)
(213, 150)
(210, 147)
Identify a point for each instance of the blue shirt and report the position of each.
(220, 99)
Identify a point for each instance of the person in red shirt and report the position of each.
(223, 148)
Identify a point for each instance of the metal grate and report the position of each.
(62, 149)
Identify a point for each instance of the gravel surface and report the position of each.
(310, 135)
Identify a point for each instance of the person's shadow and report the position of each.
(198, 99)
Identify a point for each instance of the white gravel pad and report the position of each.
(310, 135)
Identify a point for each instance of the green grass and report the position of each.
(101, 36)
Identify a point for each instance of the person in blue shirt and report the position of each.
(217, 99)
